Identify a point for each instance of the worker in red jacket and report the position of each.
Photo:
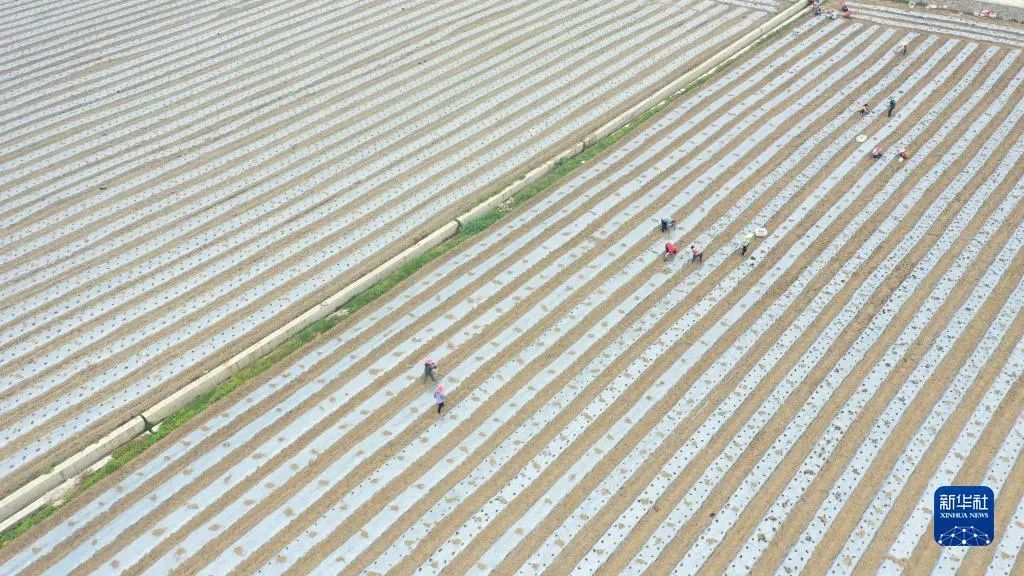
(670, 251)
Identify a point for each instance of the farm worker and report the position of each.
(864, 110)
(876, 152)
(746, 243)
(844, 7)
(696, 254)
(892, 106)
(670, 251)
(667, 224)
(430, 370)
(817, 10)
(902, 49)
(439, 397)
(903, 154)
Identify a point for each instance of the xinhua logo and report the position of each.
(964, 516)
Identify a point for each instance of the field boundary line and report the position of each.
(30, 503)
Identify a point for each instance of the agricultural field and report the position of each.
(787, 410)
(178, 180)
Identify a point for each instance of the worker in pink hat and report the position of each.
(439, 397)
(430, 370)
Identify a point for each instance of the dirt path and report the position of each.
(138, 273)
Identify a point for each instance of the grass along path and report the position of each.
(126, 453)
